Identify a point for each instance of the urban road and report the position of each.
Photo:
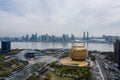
(102, 68)
(24, 74)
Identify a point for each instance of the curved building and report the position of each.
(78, 53)
(23, 55)
(77, 56)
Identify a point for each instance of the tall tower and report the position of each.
(83, 35)
(117, 53)
(87, 35)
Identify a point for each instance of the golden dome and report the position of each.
(78, 53)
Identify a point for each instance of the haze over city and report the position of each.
(59, 39)
(19, 17)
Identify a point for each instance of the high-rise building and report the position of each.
(117, 53)
(87, 35)
(72, 37)
(5, 45)
(83, 35)
(65, 38)
(27, 37)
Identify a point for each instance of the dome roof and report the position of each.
(22, 54)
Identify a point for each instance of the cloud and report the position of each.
(18, 17)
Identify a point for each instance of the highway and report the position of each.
(102, 68)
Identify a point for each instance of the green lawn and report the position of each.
(55, 77)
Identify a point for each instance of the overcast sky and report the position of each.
(19, 17)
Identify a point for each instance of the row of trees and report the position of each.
(78, 73)
(3, 71)
(7, 67)
(37, 72)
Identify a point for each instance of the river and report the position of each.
(46, 45)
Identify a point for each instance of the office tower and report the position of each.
(83, 35)
(87, 35)
(47, 38)
(65, 38)
(27, 37)
(117, 53)
(53, 38)
(72, 37)
(5, 45)
(36, 36)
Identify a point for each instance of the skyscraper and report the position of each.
(83, 35)
(117, 53)
(5, 45)
(87, 35)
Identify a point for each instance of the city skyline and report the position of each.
(20, 17)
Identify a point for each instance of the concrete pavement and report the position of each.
(99, 60)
